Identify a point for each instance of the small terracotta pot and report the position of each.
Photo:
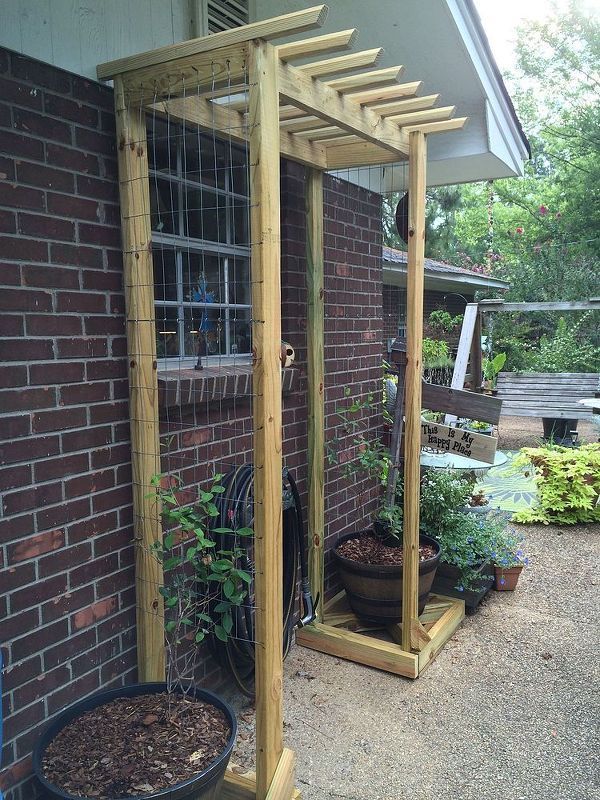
(505, 580)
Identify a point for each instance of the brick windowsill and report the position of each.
(184, 387)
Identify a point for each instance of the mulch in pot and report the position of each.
(369, 549)
(135, 746)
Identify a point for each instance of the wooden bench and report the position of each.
(546, 394)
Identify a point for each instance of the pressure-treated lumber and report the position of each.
(347, 63)
(414, 351)
(243, 786)
(328, 43)
(419, 117)
(274, 28)
(391, 107)
(440, 632)
(456, 124)
(357, 647)
(315, 332)
(210, 115)
(376, 77)
(359, 154)
(282, 785)
(317, 99)
(366, 97)
(143, 382)
(266, 345)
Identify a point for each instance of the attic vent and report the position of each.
(226, 14)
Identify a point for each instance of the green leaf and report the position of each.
(223, 606)
(244, 532)
(199, 637)
(221, 633)
(228, 588)
(171, 602)
(227, 622)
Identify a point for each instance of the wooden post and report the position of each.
(316, 377)
(417, 163)
(143, 382)
(266, 346)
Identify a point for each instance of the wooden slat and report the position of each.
(315, 333)
(328, 43)
(377, 77)
(391, 107)
(359, 648)
(412, 398)
(132, 153)
(231, 123)
(464, 349)
(324, 135)
(396, 92)
(358, 154)
(243, 786)
(319, 100)
(461, 403)
(282, 785)
(440, 632)
(274, 28)
(418, 117)
(456, 124)
(347, 63)
(560, 305)
(266, 345)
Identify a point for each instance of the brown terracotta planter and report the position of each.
(505, 580)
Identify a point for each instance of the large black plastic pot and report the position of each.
(374, 592)
(559, 430)
(204, 786)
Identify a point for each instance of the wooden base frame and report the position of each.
(344, 635)
(243, 786)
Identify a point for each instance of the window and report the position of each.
(225, 14)
(200, 244)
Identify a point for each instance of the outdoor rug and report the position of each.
(509, 488)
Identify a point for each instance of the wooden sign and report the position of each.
(458, 441)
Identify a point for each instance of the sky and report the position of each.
(501, 19)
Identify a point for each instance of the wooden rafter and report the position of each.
(328, 43)
(319, 99)
(348, 63)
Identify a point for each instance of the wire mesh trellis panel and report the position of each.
(201, 341)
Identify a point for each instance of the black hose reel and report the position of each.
(236, 510)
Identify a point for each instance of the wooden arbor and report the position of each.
(325, 123)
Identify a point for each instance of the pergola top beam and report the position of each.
(275, 28)
(347, 63)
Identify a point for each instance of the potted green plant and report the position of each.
(567, 481)
(509, 559)
(491, 368)
(171, 739)
(480, 427)
(370, 564)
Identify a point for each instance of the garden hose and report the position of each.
(235, 506)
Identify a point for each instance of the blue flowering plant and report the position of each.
(508, 549)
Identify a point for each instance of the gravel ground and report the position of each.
(509, 709)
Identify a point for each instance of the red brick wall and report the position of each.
(67, 603)
(67, 615)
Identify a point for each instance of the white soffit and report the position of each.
(439, 42)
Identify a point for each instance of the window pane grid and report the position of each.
(202, 267)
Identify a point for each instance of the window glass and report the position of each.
(238, 270)
(205, 331)
(164, 207)
(203, 278)
(205, 215)
(167, 332)
(165, 273)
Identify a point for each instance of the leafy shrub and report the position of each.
(565, 351)
(568, 484)
(436, 353)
